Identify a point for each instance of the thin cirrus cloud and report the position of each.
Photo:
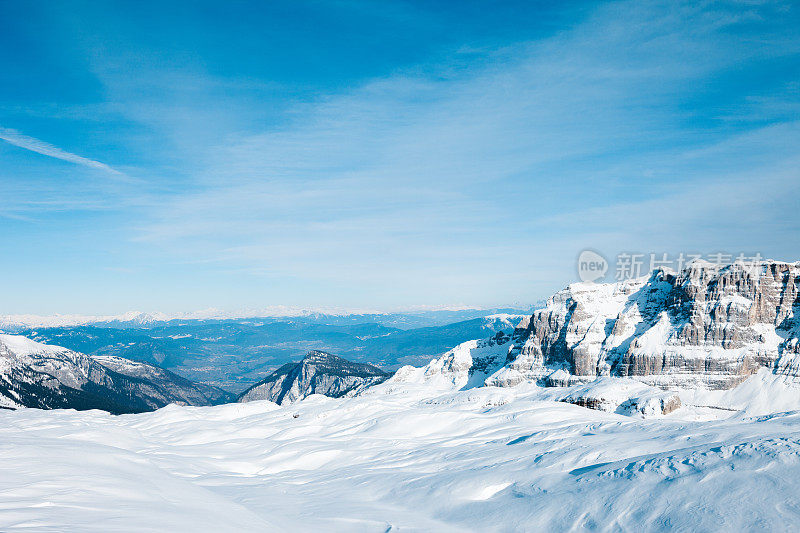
(25, 142)
(412, 156)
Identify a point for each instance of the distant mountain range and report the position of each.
(139, 319)
(132, 319)
(235, 354)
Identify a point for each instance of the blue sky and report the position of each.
(381, 155)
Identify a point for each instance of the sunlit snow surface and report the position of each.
(484, 459)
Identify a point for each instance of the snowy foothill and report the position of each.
(408, 457)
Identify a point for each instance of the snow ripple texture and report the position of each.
(405, 456)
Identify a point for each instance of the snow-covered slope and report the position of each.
(39, 375)
(318, 373)
(481, 459)
(465, 366)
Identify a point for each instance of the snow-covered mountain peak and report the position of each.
(320, 357)
(465, 366)
(23, 346)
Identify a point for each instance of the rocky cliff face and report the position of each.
(50, 377)
(703, 327)
(318, 373)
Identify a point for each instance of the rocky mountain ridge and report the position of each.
(318, 373)
(50, 377)
(706, 327)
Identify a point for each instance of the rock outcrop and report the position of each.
(624, 396)
(318, 373)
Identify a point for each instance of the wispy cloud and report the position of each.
(16, 138)
(418, 170)
(508, 166)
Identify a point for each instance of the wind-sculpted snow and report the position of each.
(409, 458)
